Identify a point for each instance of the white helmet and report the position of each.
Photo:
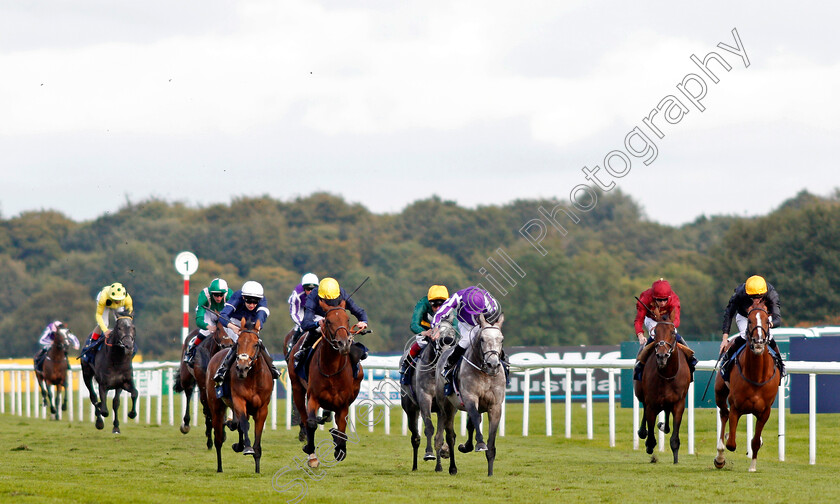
(309, 279)
(252, 289)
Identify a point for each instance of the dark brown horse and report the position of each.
(251, 386)
(54, 372)
(664, 385)
(113, 371)
(187, 378)
(752, 386)
(331, 384)
(287, 355)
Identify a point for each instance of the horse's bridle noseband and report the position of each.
(120, 342)
(330, 338)
(251, 359)
(477, 343)
(763, 334)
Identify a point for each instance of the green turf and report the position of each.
(48, 461)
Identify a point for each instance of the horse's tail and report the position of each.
(177, 386)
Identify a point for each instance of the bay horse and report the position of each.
(251, 386)
(419, 399)
(113, 371)
(664, 385)
(481, 390)
(54, 373)
(188, 378)
(331, 383)
(752, 388)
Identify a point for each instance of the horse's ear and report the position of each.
(343, 304)
(324, 306)
(482, 322)
(450, 317)
(500, 321)
(242, 323)
(257, 326)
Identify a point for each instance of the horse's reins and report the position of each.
(672, 347)
(476, 342)
(750, 332)
(120, 342)
(330, 339)
(251, 360)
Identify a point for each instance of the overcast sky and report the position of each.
(386, 102)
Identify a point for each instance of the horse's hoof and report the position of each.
(132, 414)
(720, 464)
(663, 428)
(444, 452)
(465, 448)
(642, 433)
(231, 425)
(429, 456)
(301, 436)
(63, 407)
(339, 454)
(248, 451)
(115, 430)
(52, 411)
(100, 424)
(481, 447)
(185, 428)
(313, 461)
(731, 447)
(653, 459)
(209, 444)
(438, 468)
(453, 471)
(104, 413)
(237, 447)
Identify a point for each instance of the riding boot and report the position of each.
(308, 341)
(505, 366)
(39, 359)
(221, 373)
(268, 360)
(88, 351)
(726, 360)
(189, 354)
(778, 357)
(405, 377)
(638, 370)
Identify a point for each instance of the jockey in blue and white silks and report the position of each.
(469, 304)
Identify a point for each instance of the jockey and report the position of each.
(421, 323)
(111, 298)
(297, 302)
(469, 304)
(659, 296)
(211, 301)
(331, 294)
(754, 288)
(248, 303)
(46, 341)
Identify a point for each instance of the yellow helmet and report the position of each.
(329, 289)
(116, 291)
(756, 286)
(438, 292)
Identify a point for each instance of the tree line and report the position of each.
(580, 292)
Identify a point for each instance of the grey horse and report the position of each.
(422, 400)
(481, 389)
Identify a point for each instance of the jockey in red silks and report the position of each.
(660, 296)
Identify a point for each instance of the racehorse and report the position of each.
(331, 383)
(419, 397)
(752, 389)
(287, 355)
(251, 386)
(481, 389)
(664, 385)
(113, 371)
(54, 372)
(187, 378)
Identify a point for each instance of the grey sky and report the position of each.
(388, 102)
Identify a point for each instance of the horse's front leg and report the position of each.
(311, 427)
(185, 424)
(756, 440)
(474, 418)
(425, 408)
(642, 433)
(679, 409)
(259, 424)
(45, 391)
(64, 396)
(240, 418)
(340, 434)
(449, 419)
(495, 416)
(721, 399)
(103, 405)
(116, 408)
(734, 416)
(650, 442)
(468, 446)
(131, 389)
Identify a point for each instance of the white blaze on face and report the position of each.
(758, 325)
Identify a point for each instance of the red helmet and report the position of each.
(661, 289)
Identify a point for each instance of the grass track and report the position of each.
(76, 463)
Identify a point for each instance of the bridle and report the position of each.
(250, 359)
(331, 338)
(126, 335)
(670, 350)
(478, 347)
(763, 334)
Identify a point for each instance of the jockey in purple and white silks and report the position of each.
(469, 304)
(47, 338)
(297, 304)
